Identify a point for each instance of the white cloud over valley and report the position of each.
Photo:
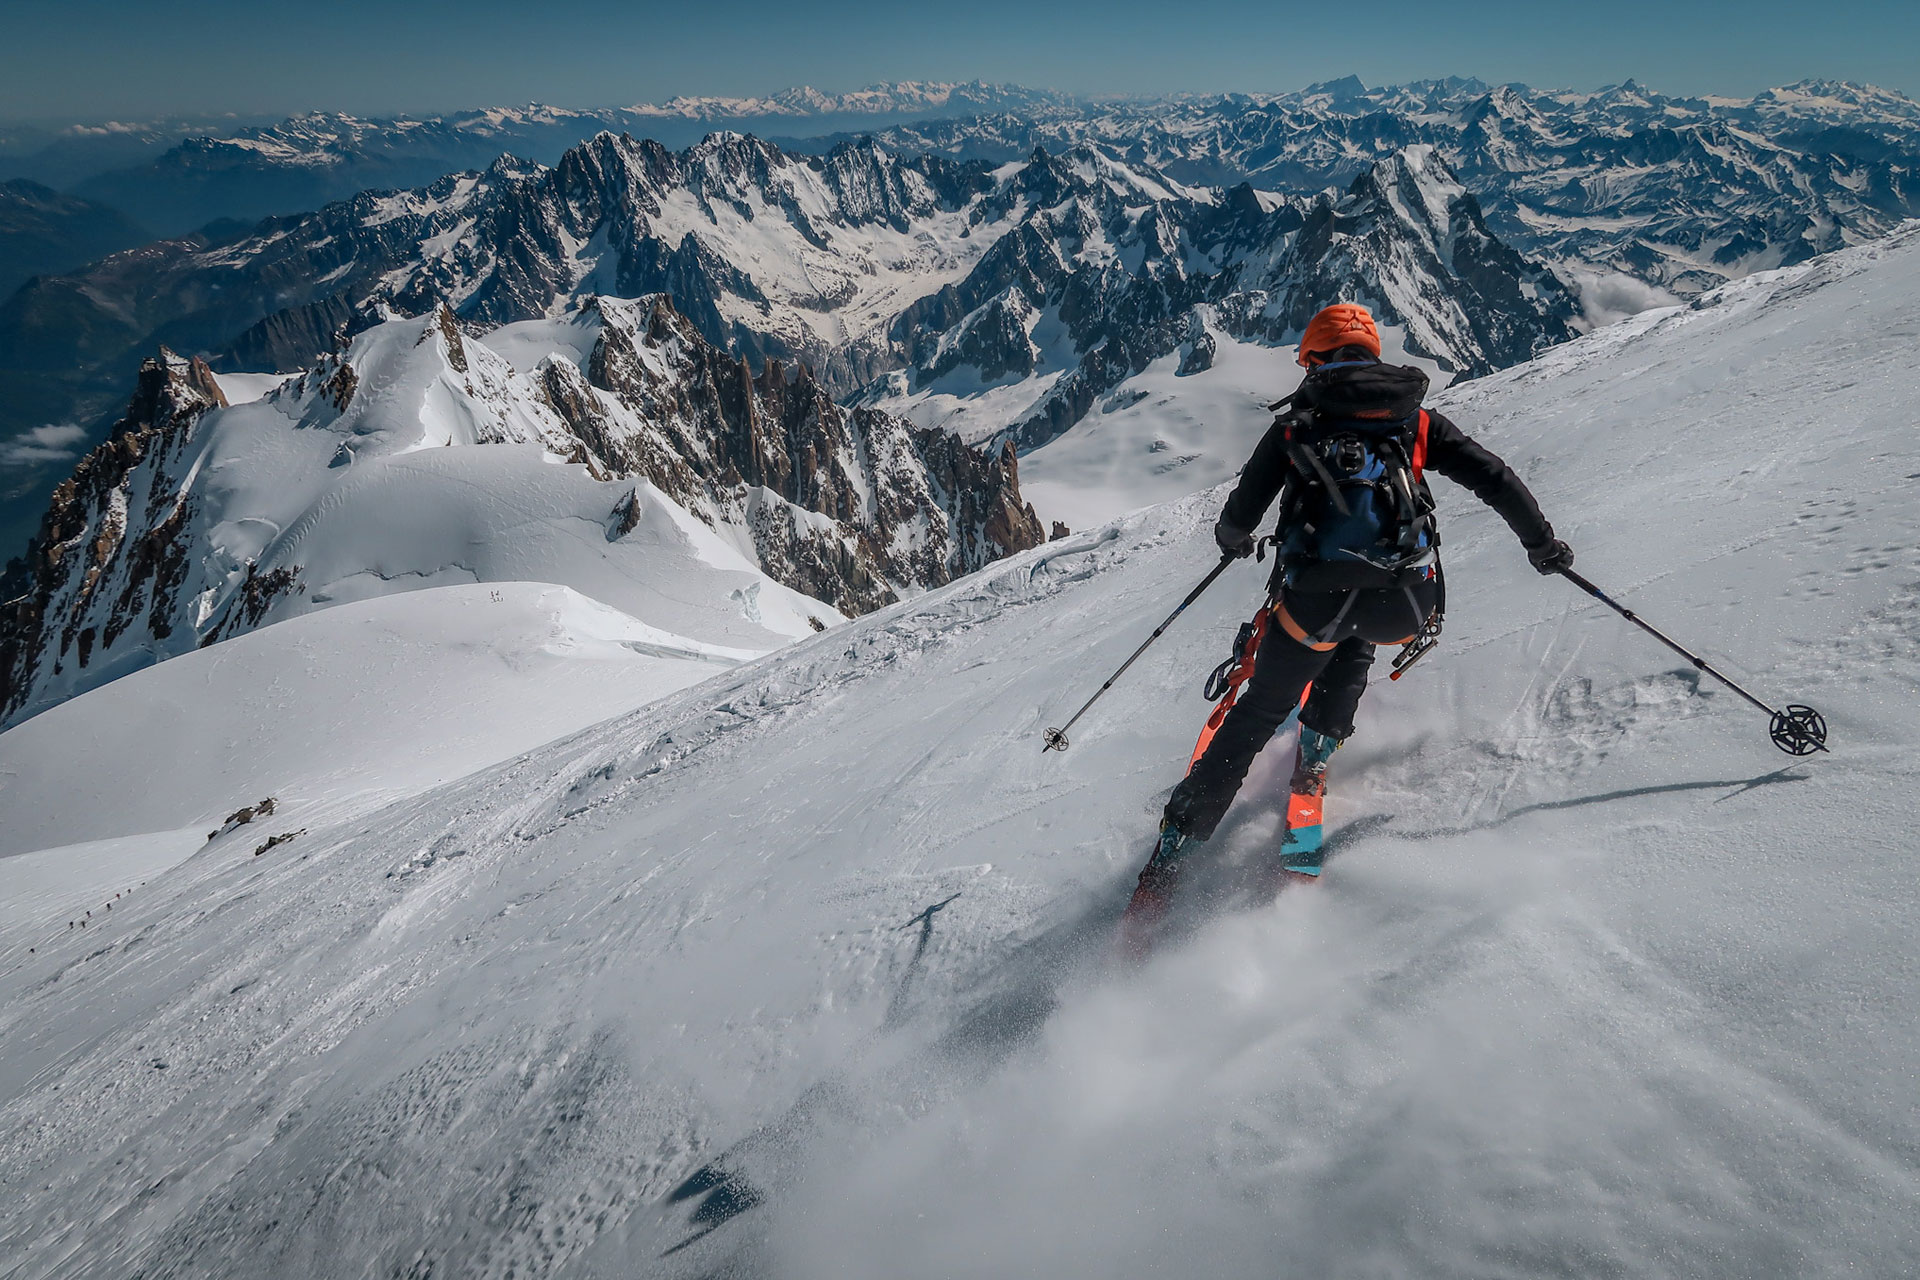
(37, 446)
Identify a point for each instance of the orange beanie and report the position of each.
(1344, 324)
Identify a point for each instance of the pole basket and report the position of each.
(1057, 741)
(1799, 730)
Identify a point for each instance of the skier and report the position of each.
(1357, 564)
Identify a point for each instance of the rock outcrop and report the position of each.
(113, 550)
(908, 507)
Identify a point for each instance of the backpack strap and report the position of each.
(1419, 458)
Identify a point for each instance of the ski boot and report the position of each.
(1300, 848)
(1153, 893)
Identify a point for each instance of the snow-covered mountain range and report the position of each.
(1099, 284)
(1628, 197)
(625, 458)
(1675, 192)
(804, 967)
(857, 263)
(310, 160)
(60, 154)
(892, 98)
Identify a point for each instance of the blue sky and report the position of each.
(100, 59)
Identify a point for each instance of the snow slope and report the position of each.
(1597, 983)
(412, 459)
(335, 710)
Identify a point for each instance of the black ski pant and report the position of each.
(1353, 622)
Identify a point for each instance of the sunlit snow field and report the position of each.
(1597, 982)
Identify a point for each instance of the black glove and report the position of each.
(1234, 541)
(1551, 556)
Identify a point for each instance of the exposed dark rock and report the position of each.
(257, 594)
(108, 527)
(450, 333)
(242, 816)
(274, 842)
(626, 516)
(339, 387)
(1197, 348)
(913, 508)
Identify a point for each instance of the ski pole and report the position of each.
(1057, 738)
(1797, 730)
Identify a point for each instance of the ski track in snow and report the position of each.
(1597, 982)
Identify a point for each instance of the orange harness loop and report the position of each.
(1242, 672)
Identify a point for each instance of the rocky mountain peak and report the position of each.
(912, 507)
(111, 553)
(417, 451)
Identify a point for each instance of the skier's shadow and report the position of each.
(897, 1010)
(1733, 786)
(1227, 877)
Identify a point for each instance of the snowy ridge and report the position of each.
(393, 695)
(1593, 982)
(627, 458)
(199, 521)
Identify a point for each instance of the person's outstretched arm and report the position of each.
(1455, 455)
(1260, 482)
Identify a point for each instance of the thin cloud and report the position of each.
(55, 442)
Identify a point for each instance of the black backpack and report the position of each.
(1355, 511)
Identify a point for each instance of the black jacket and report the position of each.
(1396, 391)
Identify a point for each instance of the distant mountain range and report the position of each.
(59, 155)
(43, 232)
(176, 181)
(990, 258)
(860, 263)
(1679, 193)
